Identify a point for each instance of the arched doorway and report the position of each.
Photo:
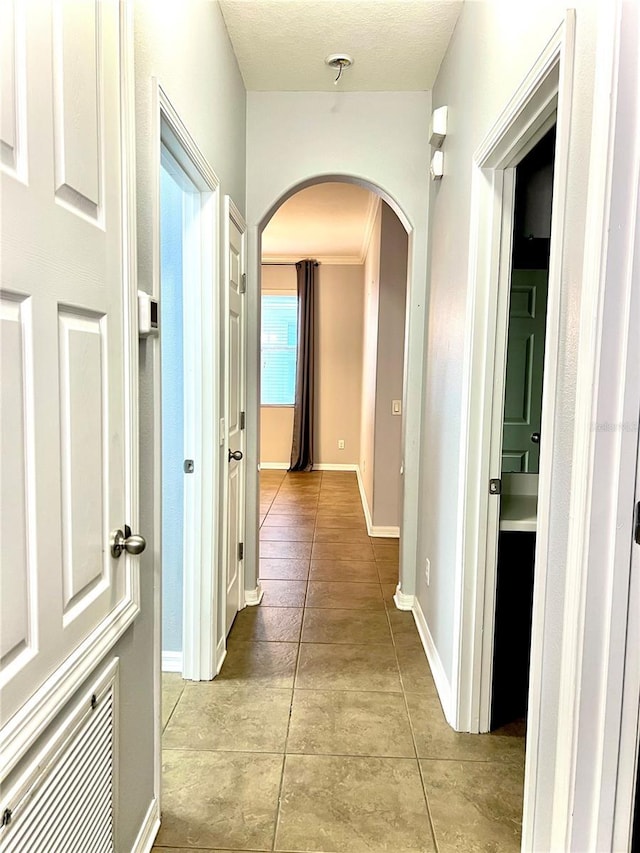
(412, 385)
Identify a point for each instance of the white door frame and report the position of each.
(201, 398)
(598, 713)
(543, 98)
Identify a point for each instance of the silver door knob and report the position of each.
(235, 454)
(132, 544)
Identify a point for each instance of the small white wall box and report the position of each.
(437, 166)
(438, 127)
(148, 318)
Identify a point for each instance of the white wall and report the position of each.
(493, 47)
(378, 138)
(338, 367)
(187, 48)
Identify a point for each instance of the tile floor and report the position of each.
(324, 731)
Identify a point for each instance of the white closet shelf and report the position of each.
(519, 513)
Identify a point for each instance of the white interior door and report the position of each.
(65, 345)
(235, 407)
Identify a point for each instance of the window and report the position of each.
(279, 346)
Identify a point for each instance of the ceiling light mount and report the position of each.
(339, 61)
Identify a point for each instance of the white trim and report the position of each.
(253, 597)
(402, 601)
(382, 531)
(172, 662)
(221, 654)
(274, 466)
(335, 466)
(598, 709)
(520, 125)
(201, 399)
(364, 500)
(148, 830)
(390, 532)
(435, 664)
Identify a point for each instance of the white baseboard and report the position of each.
(252, 597)
(364, 501)
(402, 601)
(437, 669)
(172, 661)
(274, 466)
(221, 653)
(148, 830)
(385, 532)
(335, 466)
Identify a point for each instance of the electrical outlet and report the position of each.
(427, 570)
(341, 444)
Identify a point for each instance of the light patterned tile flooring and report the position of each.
(324, 731)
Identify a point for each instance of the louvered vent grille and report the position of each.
(69, 809)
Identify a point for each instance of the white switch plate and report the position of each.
(341, 444)
(396, 407)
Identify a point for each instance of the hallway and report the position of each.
(324, 731)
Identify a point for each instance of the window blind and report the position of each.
(279, 347)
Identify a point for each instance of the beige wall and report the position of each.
(339, 331)
(387, 498)
(384, 302)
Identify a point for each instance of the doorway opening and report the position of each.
(187, 401)
(527, 199)
(359, 307)
(176, 292)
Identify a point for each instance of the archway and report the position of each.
(413, 353)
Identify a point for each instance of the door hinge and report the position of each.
(243, 418)
(240, 550)
(636, 532)
(495, 486)
(243, 283)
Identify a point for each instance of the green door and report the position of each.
(525, 364)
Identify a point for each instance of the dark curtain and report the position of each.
(302, 446)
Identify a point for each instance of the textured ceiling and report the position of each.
(330, 221)
(396, 45)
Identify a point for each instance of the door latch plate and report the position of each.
(495, 486)
(188, 466)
